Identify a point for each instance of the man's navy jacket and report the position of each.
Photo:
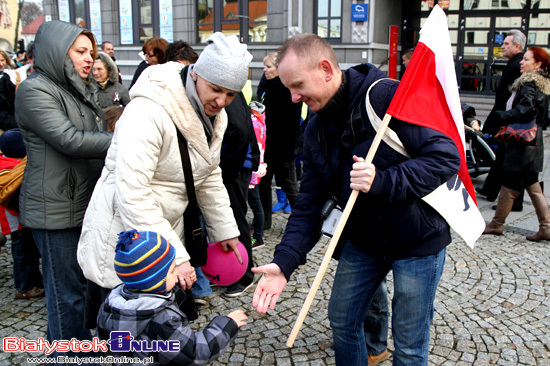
(391, 221)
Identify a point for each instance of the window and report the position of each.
(80, 16)
(329, 20)
(74, 11)
(140, 21)
(247, 19)
(145, 20)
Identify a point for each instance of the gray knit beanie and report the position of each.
(224, 62)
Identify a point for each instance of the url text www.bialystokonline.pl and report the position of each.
(83, 360)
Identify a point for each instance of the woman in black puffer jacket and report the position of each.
(522, 163)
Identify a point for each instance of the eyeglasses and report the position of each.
(150, 56)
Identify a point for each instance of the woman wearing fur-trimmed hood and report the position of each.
(523, 163)
(111, 92)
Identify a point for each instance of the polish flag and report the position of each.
(428, 96)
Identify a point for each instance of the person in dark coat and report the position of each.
(27, 278)
(282, 119)
(512, 49)
(522, 163)
(111, 92)
(240, 156)
(390, 226)
(7, 102)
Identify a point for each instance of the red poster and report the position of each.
(392, 52)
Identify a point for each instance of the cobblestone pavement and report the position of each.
(492, 305)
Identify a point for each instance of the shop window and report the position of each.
(247, 19)
(75, 11)
(145, 25)
(140, 21)
(328, 24)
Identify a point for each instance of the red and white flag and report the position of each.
(428, 96)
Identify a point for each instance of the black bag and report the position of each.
(195, 240)
(519, 133)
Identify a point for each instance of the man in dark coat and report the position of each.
(512, 49)
(390, 227)
(7, 103)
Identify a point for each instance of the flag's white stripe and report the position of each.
(449, 203)
(435, 35)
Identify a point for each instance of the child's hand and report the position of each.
(239, 317)
(262, 170)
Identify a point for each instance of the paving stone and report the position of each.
(492, 306)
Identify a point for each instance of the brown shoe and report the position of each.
(376, 360)
(542, 234)
(493, 229)
(34, 292)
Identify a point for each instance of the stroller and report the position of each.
(479, 154)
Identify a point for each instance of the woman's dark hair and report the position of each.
(180, 51)
(157, 45)
(30, 50)
(540, 55)
(112, 114)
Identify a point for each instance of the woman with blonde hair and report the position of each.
(5, 61)
(282, 120)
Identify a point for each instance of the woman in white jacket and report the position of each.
(142, 186)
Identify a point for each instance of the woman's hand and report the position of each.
(232, 244)
(186, 275)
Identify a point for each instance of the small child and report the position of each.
(144, 304)
(258, 122)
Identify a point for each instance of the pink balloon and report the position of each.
(222, 267)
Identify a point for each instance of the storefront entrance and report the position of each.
(477, 29)
(479, 56)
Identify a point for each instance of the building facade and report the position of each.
(359, 30)
(8, 25)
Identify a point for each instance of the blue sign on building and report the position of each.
(359, 12)
(499, 38)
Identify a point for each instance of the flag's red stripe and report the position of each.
(420, 99)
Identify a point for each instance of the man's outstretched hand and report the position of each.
(269, 287)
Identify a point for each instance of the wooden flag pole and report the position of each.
(332, 245)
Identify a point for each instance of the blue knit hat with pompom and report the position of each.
(142, 260)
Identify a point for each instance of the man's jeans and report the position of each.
(257, 209)
(376, 321)
(26, 261)
(357, 279)
(65, 284)
(201, 287)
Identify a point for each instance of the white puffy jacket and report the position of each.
(142, 185)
